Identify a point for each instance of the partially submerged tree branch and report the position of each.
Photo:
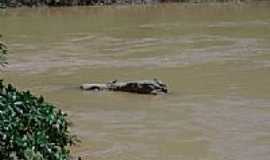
(3, 52)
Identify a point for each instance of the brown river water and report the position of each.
(214, 57)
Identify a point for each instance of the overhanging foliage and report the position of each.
(31, 128)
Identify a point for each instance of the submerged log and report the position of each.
(141, 86)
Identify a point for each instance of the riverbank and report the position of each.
(36, 3)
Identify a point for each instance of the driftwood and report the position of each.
(142, 86)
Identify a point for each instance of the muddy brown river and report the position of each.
(215, 58)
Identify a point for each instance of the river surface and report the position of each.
(214, 57)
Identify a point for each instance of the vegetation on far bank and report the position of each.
(31, 3)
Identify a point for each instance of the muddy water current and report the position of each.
(215, 58)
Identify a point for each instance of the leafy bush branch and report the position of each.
(30, 128)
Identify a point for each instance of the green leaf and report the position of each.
(30, 128)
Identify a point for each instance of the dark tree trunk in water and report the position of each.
(142, 86)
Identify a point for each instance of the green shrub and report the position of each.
(31, 129)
